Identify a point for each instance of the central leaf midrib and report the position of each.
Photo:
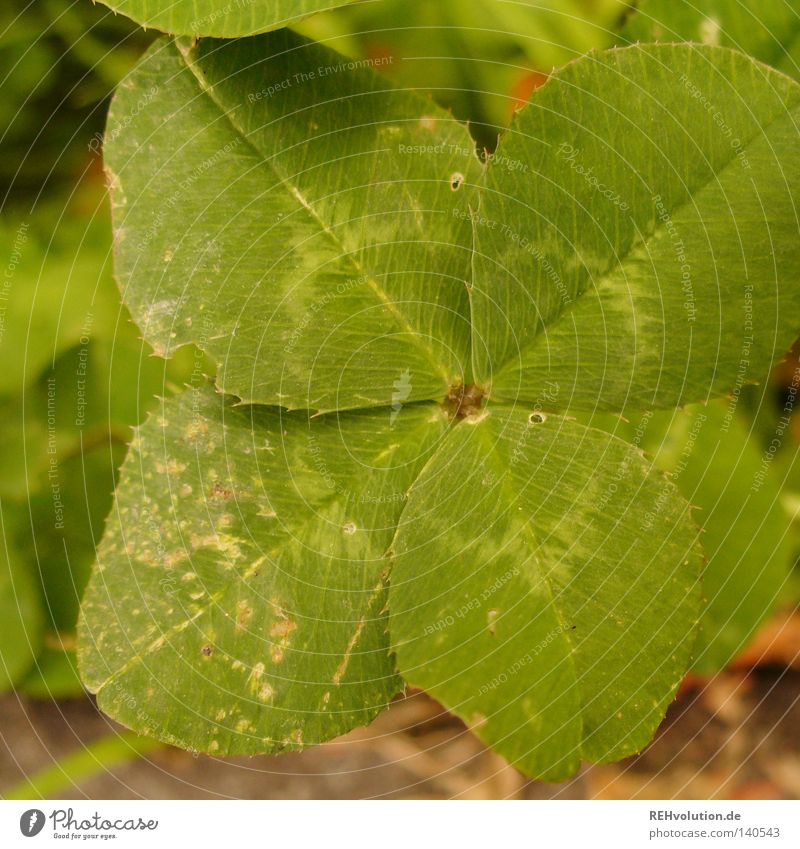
(400, 317)
(618, 262)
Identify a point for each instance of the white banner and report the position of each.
(400, 825)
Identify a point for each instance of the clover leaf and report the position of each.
(385, 484)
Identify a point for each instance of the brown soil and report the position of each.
(735, 737)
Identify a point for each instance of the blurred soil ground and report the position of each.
(735, 736)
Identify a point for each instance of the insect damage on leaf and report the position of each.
(463, 401)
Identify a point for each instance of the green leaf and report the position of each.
(324, 246)
(238, 603)
(334, 244)
(653, 238)
(526, 597)
(220, 18)
(289, 233)
(768, 30)
(446, 47)
(720, 468)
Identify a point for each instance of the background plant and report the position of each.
(743, 621)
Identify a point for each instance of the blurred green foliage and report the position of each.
(480, 59)
(75, 375)
(716, 459)
(764, 29)
(60, 61)
(78, 378)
